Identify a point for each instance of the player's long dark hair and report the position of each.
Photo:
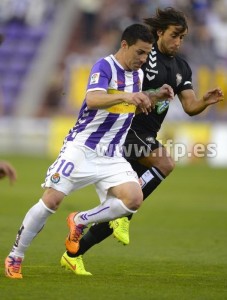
(164, 18)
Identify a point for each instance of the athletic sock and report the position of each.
(111, 209)
(151, 180)
(32, 224)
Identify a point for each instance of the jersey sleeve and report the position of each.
(186, 83)
(100, 76)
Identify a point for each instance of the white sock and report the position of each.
(32, 224)
(111, 209)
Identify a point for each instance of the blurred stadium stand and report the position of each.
(50, 45)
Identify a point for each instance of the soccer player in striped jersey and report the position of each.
(92, 151)
(145, 153)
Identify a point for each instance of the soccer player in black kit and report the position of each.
(146, 155)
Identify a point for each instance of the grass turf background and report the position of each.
(178, 247)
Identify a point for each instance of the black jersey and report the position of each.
(158, 70)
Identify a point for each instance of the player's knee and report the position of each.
(167, 166)
(135, 200)
(170, 165)
(52, 198)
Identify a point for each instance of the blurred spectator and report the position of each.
(89, 19)
(52, 102)
(200, 10)
(96, 33)
(217, 25)
(31, 12)
(199, 48)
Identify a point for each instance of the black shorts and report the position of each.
(139, 145)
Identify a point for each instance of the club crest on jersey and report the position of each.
(162, 106)
(94, 78)
(178, 78)
(55, 178)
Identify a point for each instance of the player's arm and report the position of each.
(101, 99)
(156, 95)
(193, 106)
(165, 92)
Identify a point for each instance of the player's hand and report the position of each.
(7, 170)
(213, 96)
(165, 92)
(140, 100)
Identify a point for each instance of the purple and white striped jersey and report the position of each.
(105, 130)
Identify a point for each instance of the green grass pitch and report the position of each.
(178, 247)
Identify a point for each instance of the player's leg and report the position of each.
(122, 200)
(95, 234)
(32, 224)
(158, 166)
(57, 186)
(112, 208)
(152, 170)
(124, 197)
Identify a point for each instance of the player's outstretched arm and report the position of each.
(7, 170)
(213, 96)
(193, 106)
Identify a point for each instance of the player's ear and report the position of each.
(124, 44)
(159, 32)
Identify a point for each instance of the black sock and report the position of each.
(150, 179)
(95, 234)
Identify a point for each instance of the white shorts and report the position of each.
(77, 167)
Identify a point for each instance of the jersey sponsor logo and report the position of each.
(162, 106)
(121, 108)
(94, 78)
(55, 178)
(178, 78)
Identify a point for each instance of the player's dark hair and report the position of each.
(165, 18)
(136, 32)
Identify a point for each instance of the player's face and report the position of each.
(169, 41)
(136, 55)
